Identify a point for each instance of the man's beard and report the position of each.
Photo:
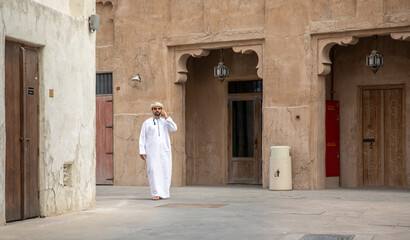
(157, 113)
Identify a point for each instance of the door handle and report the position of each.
(27, 139)
(370, 140)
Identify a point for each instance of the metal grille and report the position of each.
(104, 83)
(245, 87)
(327, 237)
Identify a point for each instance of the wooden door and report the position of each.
(383, 137)
(31, 132)
(245, 151)
(22, 132)
(104, 128)
(14, 148)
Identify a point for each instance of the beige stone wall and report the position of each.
(149, 36)
(351, 73)
(67, 121)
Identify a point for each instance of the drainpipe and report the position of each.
(332, 59)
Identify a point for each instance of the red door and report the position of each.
(104, 128)
(332, 139)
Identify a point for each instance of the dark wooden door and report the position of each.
(383, 137)
(104, 170)
(14, 156)
(22, 132)
(245, 151)
(31, 132)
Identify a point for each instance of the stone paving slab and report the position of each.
(242, 212)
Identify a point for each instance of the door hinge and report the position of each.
(108, 101)
(111, 153)
(108, 126)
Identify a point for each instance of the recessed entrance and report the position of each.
(223, 140)
(373, 148)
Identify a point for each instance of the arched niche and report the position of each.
(181, 57)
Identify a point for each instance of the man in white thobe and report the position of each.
(155, 148)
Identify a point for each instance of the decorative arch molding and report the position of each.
(181, 57)
(248, 50)
(324, 46)
(403, 36)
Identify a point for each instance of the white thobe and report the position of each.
(154, 142)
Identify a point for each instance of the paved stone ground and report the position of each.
(250, 213)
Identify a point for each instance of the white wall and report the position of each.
(67, 121)
(75, 8)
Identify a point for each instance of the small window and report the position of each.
(104, 83)
(245, 87)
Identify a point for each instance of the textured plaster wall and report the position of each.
(74, 8)
(67, 121)
(146, 36)
(206, 119)
(349, 73)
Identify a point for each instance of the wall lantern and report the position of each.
(136, 78)
(375, 60)
(221, 71)
(94, 22)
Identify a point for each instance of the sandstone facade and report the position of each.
(173, 45)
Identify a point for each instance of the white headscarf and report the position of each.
(157, 104)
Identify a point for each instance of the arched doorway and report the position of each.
(212, 118)
(373, 146)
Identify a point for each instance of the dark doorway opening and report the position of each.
(245, 132)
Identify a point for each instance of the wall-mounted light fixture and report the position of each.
(375, 60)
(136, 78)
(221, 71)
(94, 22)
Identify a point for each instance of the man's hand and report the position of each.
(143, 156)
(164, 114)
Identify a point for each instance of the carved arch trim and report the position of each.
(324, 47)
(325, 44)
(181, 57)
(403, 36)
(249, 49)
